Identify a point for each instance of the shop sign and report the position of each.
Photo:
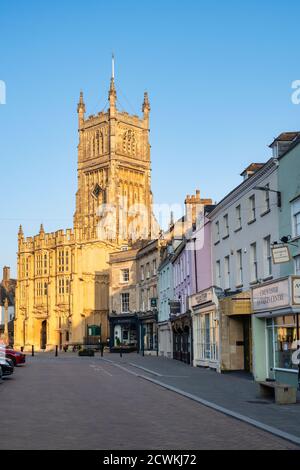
(175, 307)
(201, 298)
(281, 254)
(271, 296)
(296, 290)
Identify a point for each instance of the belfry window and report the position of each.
(129, 142)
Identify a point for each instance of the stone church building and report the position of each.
(62, 293)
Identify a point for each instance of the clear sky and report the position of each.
(218, 73)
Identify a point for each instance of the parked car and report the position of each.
(16, 356)
(1, 373)
(7, 366)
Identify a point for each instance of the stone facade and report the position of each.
(63, 277)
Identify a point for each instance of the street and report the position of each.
(70, 402)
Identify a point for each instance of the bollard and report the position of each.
(120, 352)
(32, 350)
(56, 351)
(102, 348)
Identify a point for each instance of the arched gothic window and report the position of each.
(129, 142)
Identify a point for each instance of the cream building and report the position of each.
(63, 277)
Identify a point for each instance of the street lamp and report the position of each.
(267, 189)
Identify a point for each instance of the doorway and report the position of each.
(44, 335)
(247, 344)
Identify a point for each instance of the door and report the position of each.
(247, 344)
(44, 334)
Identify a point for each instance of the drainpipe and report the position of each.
(195, 262)
(298, 337)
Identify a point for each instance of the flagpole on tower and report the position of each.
(113, 66)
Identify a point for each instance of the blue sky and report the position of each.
(218, 74)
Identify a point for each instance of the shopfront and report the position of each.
(205, 329)
(148, 332)
(182, 338)
(123, 332)
(236, 332)
(276, 331)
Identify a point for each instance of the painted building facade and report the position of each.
(244, 226)
(276, 303)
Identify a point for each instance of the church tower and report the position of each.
(62, 290)
(113, 201)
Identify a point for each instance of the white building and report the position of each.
(244, 226)
(11, 314)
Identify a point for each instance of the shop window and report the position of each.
(282, 341)
(297, 265)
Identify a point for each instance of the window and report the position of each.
(297, 265)
(282, 337)
(125, 302)
(125, 275)
(226, 225)
(227, 272)
(45, 288)
(142, 273)
(63, 261)
(39, 266)
(148, 299)
(252, 210)
(61, 286)
(218, 273)
(148, 270)
(267, 256)
(267, 199)
(206, 336)
(238, 214)
(45, 264)
(154, 267)
(296, 217)
(253, 263)
(239, 267)
(142, 300)
(217, 232)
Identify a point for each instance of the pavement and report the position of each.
(71, 402)
(236, 392)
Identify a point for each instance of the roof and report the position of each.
(244, 185)
(253, 167)
(285, 137)
(291, 147)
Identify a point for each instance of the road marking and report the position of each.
(146, 370)
(264, 427)
(98, 368)
(105, 371)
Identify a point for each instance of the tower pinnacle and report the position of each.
(112, 95)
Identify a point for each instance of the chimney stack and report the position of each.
(6, 274)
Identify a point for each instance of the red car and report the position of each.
(17, 357)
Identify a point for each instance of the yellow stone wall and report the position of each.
(63, 277)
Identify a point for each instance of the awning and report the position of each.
(278, 313)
